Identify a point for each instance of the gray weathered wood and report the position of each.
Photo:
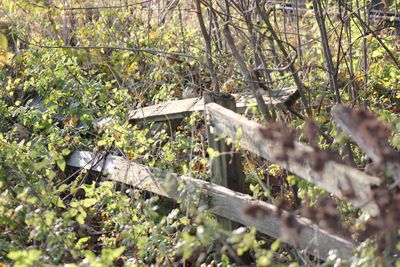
(222, 201)
(226, 169)
(181, 108)
(336, 178)
(348, 121)
(5, 25)
(352, 125)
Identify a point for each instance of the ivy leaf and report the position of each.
(72, 121)
(24, 257)
(88, 202)
(66, 152)
(109, 255)
(275, 245)
(3, 42)
(61, 164)
(59, 203)
(80, 218)
(102, 142)
(49, 217)
(153, 34)
(212, 153)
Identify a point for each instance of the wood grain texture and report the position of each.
(347, 120)
(222, 201)
(226, 170)
(5, 25)
(181, 108)
(335, 178)
(378, 149)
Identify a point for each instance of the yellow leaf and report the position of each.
(130, 155)
(72, 121)
(3, 42)
(5, 58)
(133, 67)
(152, 34)
(88, 202)
(228, 86)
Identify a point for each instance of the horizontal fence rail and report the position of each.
(335, 178)
(373, 13)
(221, 201)
(356, 126)
(180, 108)
(364, 130)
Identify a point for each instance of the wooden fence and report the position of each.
(334, 177)
(221, 201)
(180, 108)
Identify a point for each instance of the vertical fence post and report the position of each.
(226, 170)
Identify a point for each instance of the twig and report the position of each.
(207, 40)
(229, 39)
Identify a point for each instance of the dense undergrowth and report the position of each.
(62, 69)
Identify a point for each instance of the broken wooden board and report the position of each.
(356, 126)
(222, 201)
(5, 25)
(341, 180)
(180, 108)
(362, 127)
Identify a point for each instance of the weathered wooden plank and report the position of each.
(181, 108)
(358, 127)
(365, 130)
(336, 178)
(5, 25)
(222, 201)
(227, 169)
(167, 110)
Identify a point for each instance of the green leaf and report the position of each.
(263, 261)
(24, 258)
(62, 188)
(88, 202)
(109, 255)
(102, 142)
(49, 217)
(61, 164)
(59, 203)
(89, 255)
(66, 152)
(376, 53)
(396, 141)
(80, 218)
(212, 153)
(3, 42)
(275, 245)
(81, 242)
